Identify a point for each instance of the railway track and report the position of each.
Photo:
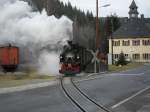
(82, 101)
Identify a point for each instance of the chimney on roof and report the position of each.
(142, 16)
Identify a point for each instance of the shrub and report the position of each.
(121, 60)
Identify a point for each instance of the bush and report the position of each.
(121, 60)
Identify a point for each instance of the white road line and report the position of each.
(131, 97)
(97, 73)
(92, 74)
(128, 70)
(110, 74)
(87, 79)
(144, 72)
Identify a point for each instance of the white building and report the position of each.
(132, 38)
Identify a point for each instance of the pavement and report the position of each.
(23, 85)
(28, 85)
(45, 99)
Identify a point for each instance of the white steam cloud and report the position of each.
(50, 61)
(35, 31)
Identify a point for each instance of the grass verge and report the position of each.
(23, 78)
(114, 68)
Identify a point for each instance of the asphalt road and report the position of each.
(140, 103)
(47, 99)
(115, 91)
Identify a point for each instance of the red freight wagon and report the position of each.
(9, 58)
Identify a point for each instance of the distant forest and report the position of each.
(83, 22)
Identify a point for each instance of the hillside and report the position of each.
(83, 23)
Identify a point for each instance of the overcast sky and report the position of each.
(121, 7)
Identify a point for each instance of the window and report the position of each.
(135, 42)
(146, 56)
(115, 56)
(116, 43)
(126, 55)
(136, 56)
(146, 42)
(126, 43)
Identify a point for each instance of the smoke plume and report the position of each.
(36, 32)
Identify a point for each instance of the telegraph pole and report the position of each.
(97, 40)
(97, 27)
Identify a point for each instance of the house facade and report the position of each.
(132, 38)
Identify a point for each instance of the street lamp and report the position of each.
(97, 23)
(97, 26)
(106, 5)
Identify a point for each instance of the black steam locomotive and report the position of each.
(74, 59)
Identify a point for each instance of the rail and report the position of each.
(83, 95)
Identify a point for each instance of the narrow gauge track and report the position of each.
(85, 104)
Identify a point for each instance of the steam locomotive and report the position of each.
(74, 59)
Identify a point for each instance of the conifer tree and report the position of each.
(121, 60)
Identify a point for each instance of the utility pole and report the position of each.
(97, 40)
(97, 26)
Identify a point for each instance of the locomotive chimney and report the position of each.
(142, 16)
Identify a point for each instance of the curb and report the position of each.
(27, 87)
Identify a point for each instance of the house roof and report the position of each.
(133, 28)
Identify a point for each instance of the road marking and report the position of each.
(130, 74)
(147, 64)
(123, 74)
(97, 73)
(131, 97)
(144, 72)
(129, 70)
(89, 79)
(110, 74)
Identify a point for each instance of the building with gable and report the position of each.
(132, 38)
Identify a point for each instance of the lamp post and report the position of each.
(97, 26)
(97, 40)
